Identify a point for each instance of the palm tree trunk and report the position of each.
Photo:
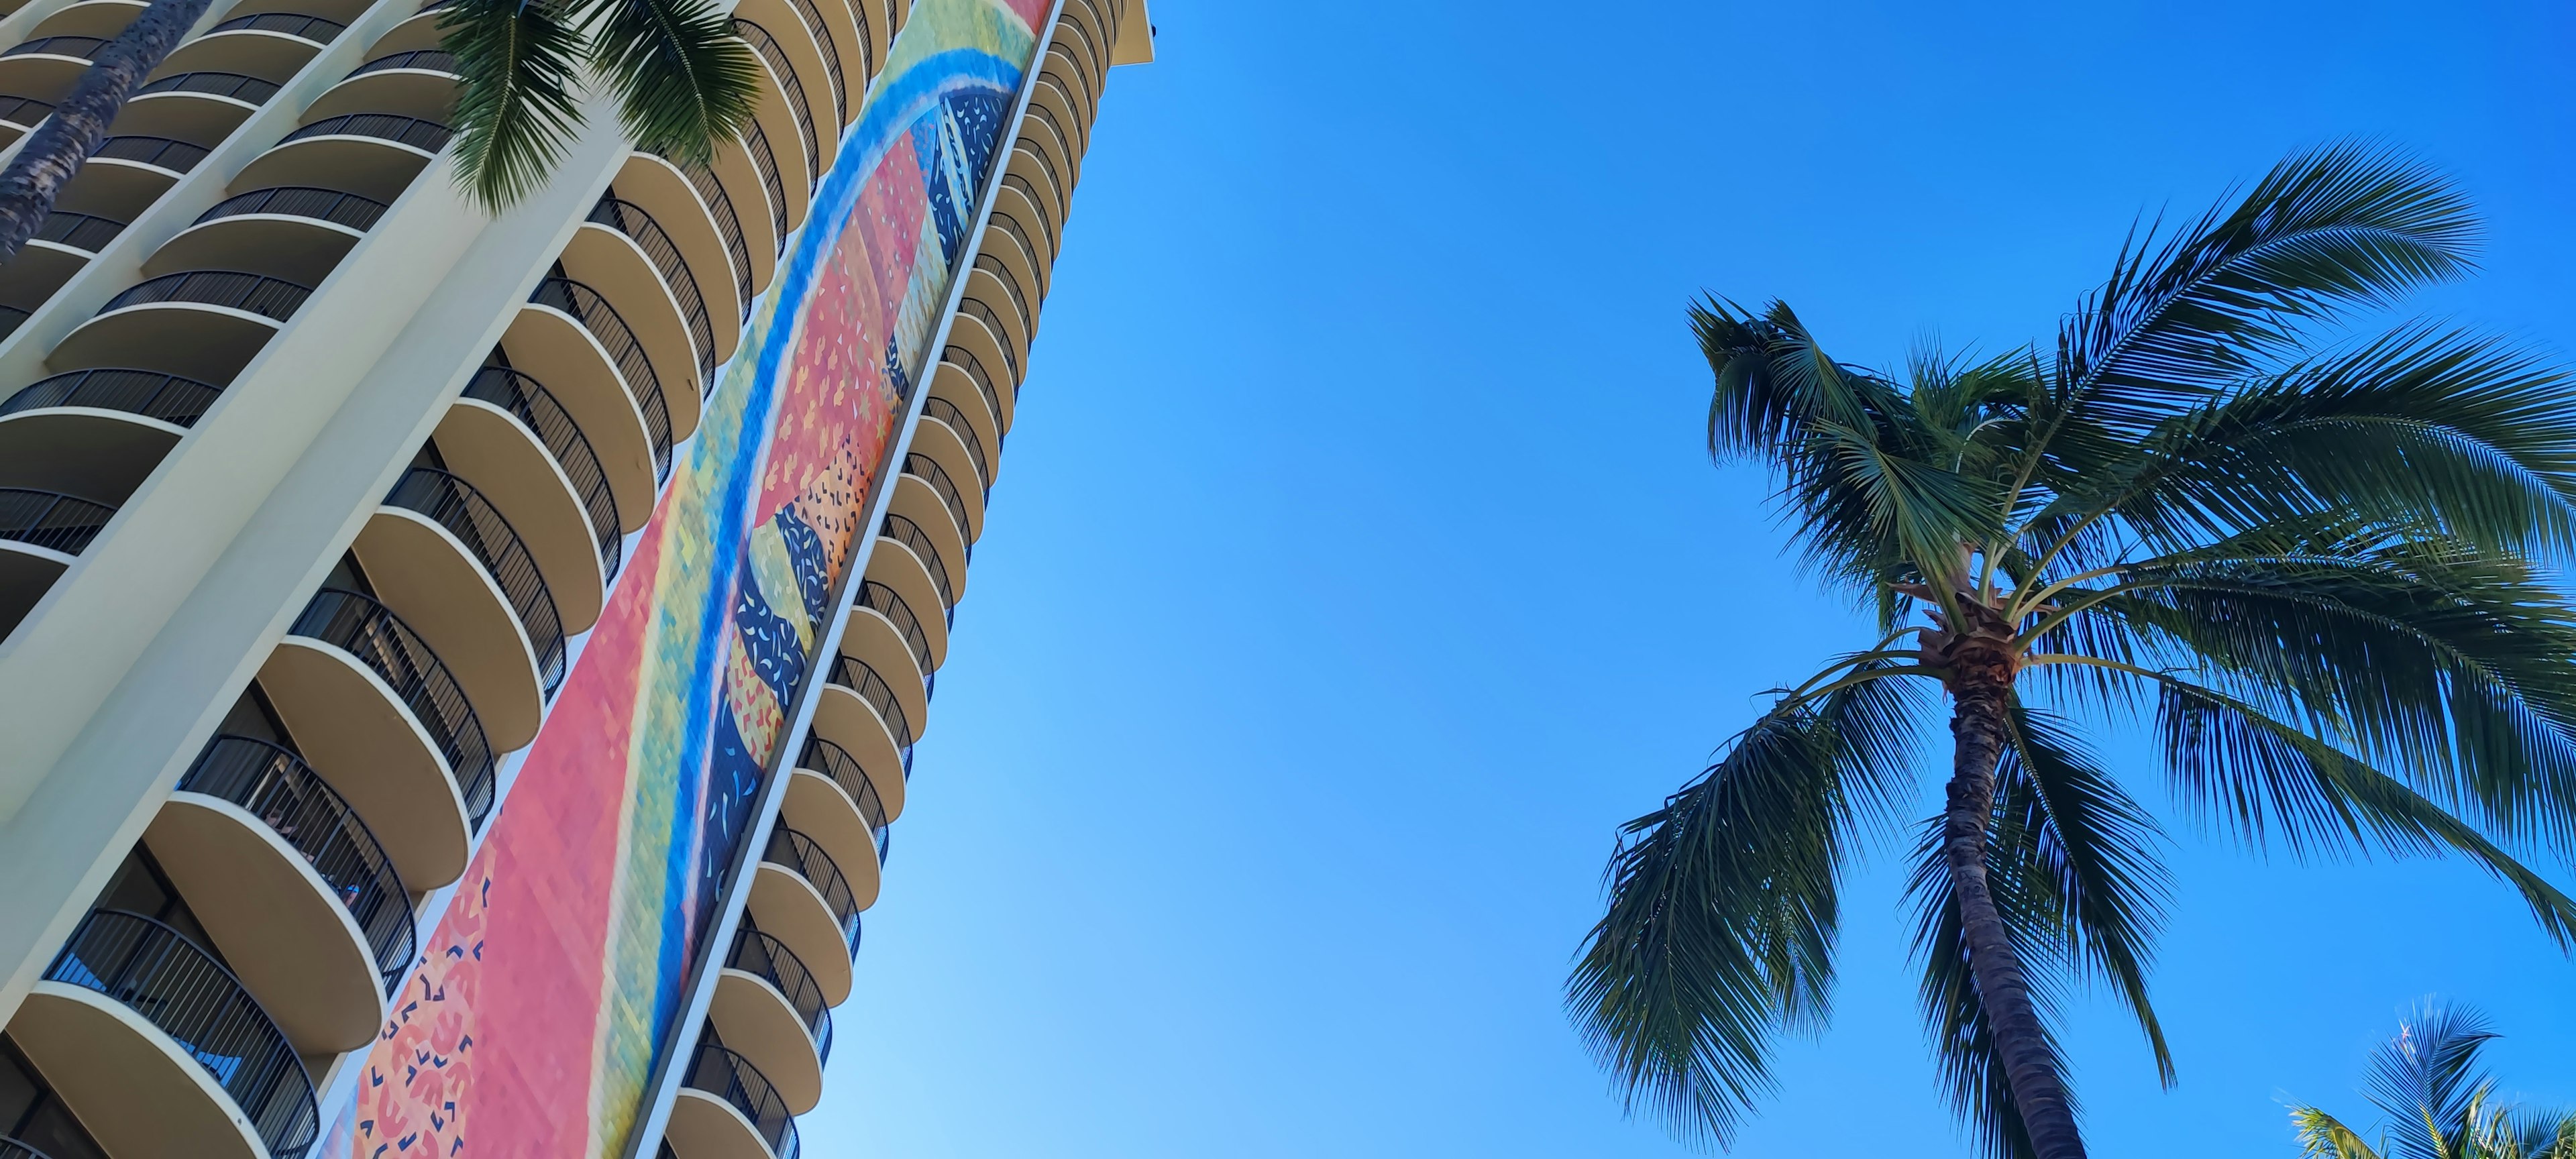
(1977, 729)
(79, 122)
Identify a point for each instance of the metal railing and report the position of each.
(1002, 337)
(833, 761)
(867, 47)
(1074, 146)
(728, 223)
(276, 786)
(798, 109)
(522, 397)
(156, 972)
(625, 352)
(628, 218)
(437, 60)
(886, 602)
(798, 852)
(150, 393)
(1018, 233)
(426, 136)
(1081, 72)
(946, 412)
(763, 159)
(272, 298)
(454, 504)
(831, 58)
(313, 28)
(78, 231)
(1046, 223)
(51, 521)
(1011, 289)
(249, 90)
(924, 468)
(158, 152)
(84, 47)
(13, 1149)
(731, 1077)
(331, 205)
(908, 533)
(965, 360)
(1054, 179)
(768, 959)
(24, 110)
(358, 625)
(855, 675)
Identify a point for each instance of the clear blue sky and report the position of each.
(1356, 569)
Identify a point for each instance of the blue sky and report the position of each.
(1356, 568)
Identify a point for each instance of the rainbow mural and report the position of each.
(550, 986)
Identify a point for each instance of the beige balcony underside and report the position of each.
(302, 250)
(430, 579)
(817, 808)
(609, 262)
(366, 743)
(914, 500)
(546, 344)
(135, 1089)
(893, 564)
(665, 193)
(82, 451)
(367, 166)
(206, 343)
(706, 1127)
(502, 458)
(875, 642)
(845, 719)
(785, 907)
(757, 1022)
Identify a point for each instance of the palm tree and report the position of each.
(2310, 567)
(682, 80)
(2439, 1101)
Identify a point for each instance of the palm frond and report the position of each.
(2429, 1080)
(2322, 1136)
(515, 113)
(683, 80)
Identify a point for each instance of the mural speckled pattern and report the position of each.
(551, 983)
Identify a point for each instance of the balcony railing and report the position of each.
(24, 110)
(885, 602)
(313, 28)
(602, 320)
(50, 521)
(331, 205)
(1046, 224)
(910, 534)
(927, 469)
(731, 1077)
(798, 852)
(728, 223)
(628, 218)
(363, 628)
(965, 360)
(976, 309)
(158, 152)
(78, 231)
(426, 136)
(156, 972)
(454, 504)
(1010, 288)
(798, 109)
(947, 412)
(766, 161)
(423, 59)
(277, 787)
(273, 298)
(1039, 152)
(84, 47)
(13, 1149)
(856, 676)
(833, 761)
(150, 393)
(521, 396)
(768, 959)
(1011, 225)
(249, 90)
(831, 56)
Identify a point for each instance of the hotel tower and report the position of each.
(460, 671)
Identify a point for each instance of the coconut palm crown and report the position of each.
(2311, 570)
(2440, 1100)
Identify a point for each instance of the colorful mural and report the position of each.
(551, 984)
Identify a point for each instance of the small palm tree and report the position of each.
(2440, 1103)
(682, 80)
(2309, 570)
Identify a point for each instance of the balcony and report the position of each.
(614, 343)
(672, 270)
(834, 35)
(292, 886)
(420, 83)
(801, 898)
(834, 801)
(885, 635)
(1050, 134)
(550, 346)
(126, 174)
(979, 326)
(728, 1110)
(902, 530)
(706, 234)
(768, 1007)
(950, 438)
(956, 363)
(1006, 238)
(730, 194)
(194, 106)
(200, 324)
(954, 400)
(298, 234)
(159, 1049)
(803, 110)
(438, 550)
(964, 506)
(62, 244)
(19, 116)
(375, 155)
(97, 432)
(920, 505)
(44, 68)
(641, 304)
(993, 284)
(775, 139)
(784, 213)
(40, 534)
(380, 716)
(860, 718)
(518, 446)
(264, 44)
(1022, 200)
(99, 18)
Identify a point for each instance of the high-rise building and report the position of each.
(460, 671)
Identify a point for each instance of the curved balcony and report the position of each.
(802, 109)
(131, 1016)
(859, 718)
(900, 568)
(960, 428)
(20, 115)
(638, 302)
(554, 348)
(1011, 241)
(194, 106)
(784, 214)
(616, 341)
(419, 83)
(971, 415)
(834, 801)
(828, 39)
(768, 1006)
(800, 897)
(1080, 88)
(707, 236)
(901, 529)
(295, 233)
(962, 505)
(979, 324)
(957, 362)
(1050, 132)
(381, 717)
(292, 886)
(1029, 159)
(728, 1110)
(526, 455)
(716, 187)
(990, 275)
(265, 44)
(629, 219)
(126, 174)
(99, 18)
(40, 534)
(918, 641)
(44, 68)
(372, 154)
(62, 244)
(915, 500)
(13, 1149)
(98, 432)
(944, 446)
(78, 232)
(202, 324)
(1027, 204)
(885, 635)
(466, 582)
